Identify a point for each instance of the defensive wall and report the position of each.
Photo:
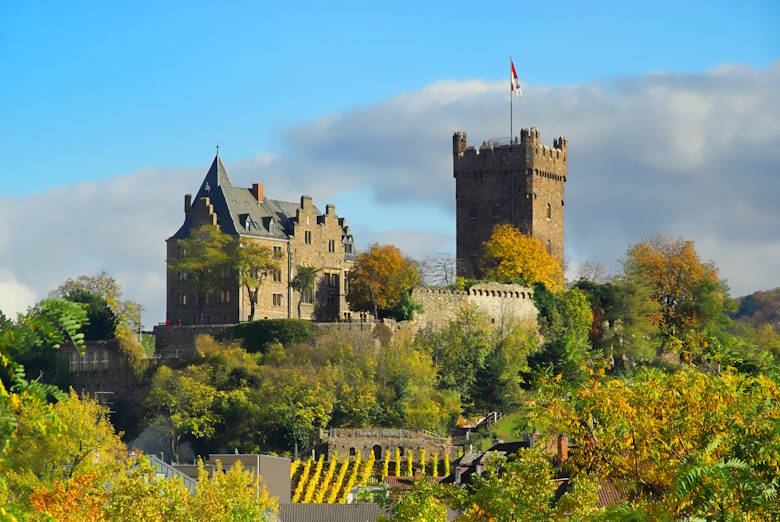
(347, 441)
(501, 303)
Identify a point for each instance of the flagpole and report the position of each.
(511, 119)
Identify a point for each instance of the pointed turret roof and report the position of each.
(216, 177)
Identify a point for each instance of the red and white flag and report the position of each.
(514, 81)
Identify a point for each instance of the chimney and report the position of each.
(187, 204)
(257, 191)
(563, 448)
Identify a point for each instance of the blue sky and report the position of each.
(111, 112)
(90, 90)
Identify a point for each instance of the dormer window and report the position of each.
(271, 227)
(248, 223)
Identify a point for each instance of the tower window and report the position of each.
(307, 237)
(331, 245)
(549, 247)
(549, 211)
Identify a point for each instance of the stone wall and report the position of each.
(501, 303)
(178, 342)
(346, 441)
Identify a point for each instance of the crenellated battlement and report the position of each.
(482, 290)
(500, 148)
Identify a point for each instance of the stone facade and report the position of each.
(502, 304)
(519, 182)
(296, 233)
(346, 441)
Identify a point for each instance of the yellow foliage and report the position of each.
(510, 255)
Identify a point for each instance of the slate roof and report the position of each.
(363, 512)
(235, 206)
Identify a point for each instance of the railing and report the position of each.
(170, 472)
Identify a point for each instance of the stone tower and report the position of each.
(521, 183)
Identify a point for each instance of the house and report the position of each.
(297, 234)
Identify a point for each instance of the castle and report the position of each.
(296, 234)
(520, 182)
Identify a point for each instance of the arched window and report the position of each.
(377, 449)
(351, 452)
(549, 247)
(549, 211)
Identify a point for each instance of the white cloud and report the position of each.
(15, 297)
(681, 154)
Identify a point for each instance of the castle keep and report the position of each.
(518, 181)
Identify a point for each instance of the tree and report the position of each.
(77, 439)
(102, 319)
(426, 502)
(253, 262)
(564, 322)
(226, 496)
(303, 282)
(650, 432)
(182, 404)
(511, 256)
(438, 270)
(688, 292)
(379, 278)
(106, 288)
(522, 488)
(41, 330)
(201, 260)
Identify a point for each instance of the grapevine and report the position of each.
(332, 462)
(337, 485)
(301, 481)
(314, 480)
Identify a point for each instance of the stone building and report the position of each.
(520, 182)
(296, 233)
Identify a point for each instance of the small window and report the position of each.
(308, 296)
(271, 227)
(74, 362)
(182, 299)
(224, 296)
(277, 275)
(104, 361)
(182, 276)
(277, 299)
(84, 363)
(331, 245)
(549, 211)
(277, 251)
(307, 237)
(348, 248)
(549, 247)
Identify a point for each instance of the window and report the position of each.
(182, 276)
(277, 251)
(334, 280)
(331, 245)
(84, 363)
(308, 296)
(94, 362)
(549, 247)
(271, 227)
(74, 362)
(307, 237)
(348, 248)
(104, 362)
(277, 299)
(277, 275)
(181, 251)
(182, 299)
(224, 296)
(549, 211)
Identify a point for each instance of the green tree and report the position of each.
(426, 502)
(182, 404)
(521, 488)
(202, 260)
(102, 319)
(252, 262)
(303, 282)
(564, 322)
(378, 279)
(105, 287)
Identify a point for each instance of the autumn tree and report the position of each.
(303, 283)
(252, 262)
(77, 438)
(688, 292)
(513, 257)
(379, 279)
